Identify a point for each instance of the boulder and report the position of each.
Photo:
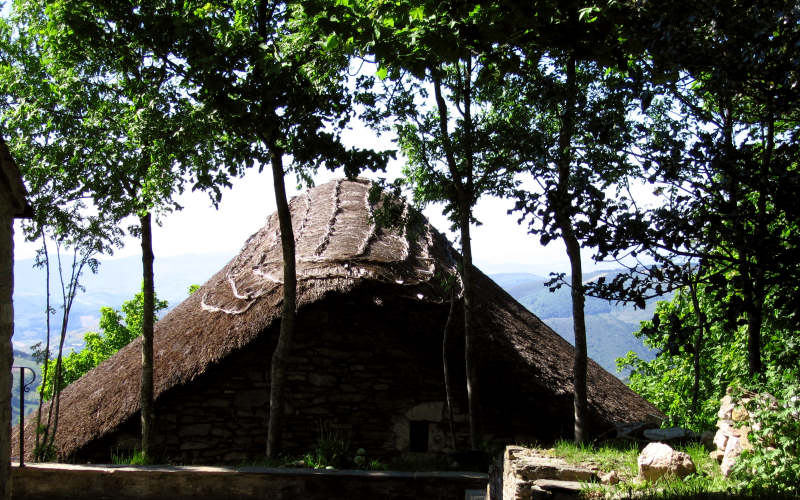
(658, 460)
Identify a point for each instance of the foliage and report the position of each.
(774, 463)
(117, 329)
(667, 380)
(331, 450)
(717, 140)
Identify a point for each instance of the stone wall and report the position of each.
(6, 331)
(364, 366)
(733, 426)
(358, 373)
(58, 481)
(529, 474)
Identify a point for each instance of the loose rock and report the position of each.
(658, 460)
(609, 478)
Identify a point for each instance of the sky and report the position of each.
(499, 244)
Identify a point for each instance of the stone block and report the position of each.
(707, 440)
(195, 445)
(195, 430)
(726, 407)
(250, 398)
(658, 460)
(321, 380)
(721, 439)
(609, 478)
(740, 414)
(670, 434)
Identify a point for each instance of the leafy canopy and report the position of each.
(118, 328)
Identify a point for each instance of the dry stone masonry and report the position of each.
(733, 426)
(530, 474)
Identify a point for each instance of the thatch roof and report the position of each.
(338, 250)
(11, 180)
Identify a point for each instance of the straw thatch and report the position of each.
(339, 253)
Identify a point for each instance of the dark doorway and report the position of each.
(418, 440)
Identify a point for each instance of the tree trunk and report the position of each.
(579, 328)
(39, 452)
(68, 293)
(448, 392)
(698, 345)
(755, 319)
(6, 353)
(148, 291)
(473, 397)
(282, 350)
(464, 192)
(563, 213)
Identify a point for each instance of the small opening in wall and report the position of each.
(418, 439)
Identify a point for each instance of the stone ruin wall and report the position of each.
(349, 375)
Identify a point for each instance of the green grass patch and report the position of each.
(618, 457)
(706, 482)
(135, 458)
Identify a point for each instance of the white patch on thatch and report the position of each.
(362, 249)
(330, 228)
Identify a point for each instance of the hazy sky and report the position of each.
(499, 244)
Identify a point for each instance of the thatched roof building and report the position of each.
(366, 363)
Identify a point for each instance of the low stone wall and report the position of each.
(529, 474)
(60, 481)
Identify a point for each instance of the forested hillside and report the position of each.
(117, 280)
(609, 326)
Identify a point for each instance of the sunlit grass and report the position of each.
(622, 458)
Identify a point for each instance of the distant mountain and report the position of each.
(117, 280)
(609, 327)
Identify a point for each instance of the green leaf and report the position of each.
(332, 42)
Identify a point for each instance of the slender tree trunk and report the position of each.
(757, 292)
(68, 293)
(448, 392)
(464, 191)
(38, 451)
(473, 397)
(702, 331)
(563, 212)
(579, 327)
(6, 353)
(288, 309)
(148, 291)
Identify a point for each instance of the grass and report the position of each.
(619, 458)
(622, 458)
(136, 458)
